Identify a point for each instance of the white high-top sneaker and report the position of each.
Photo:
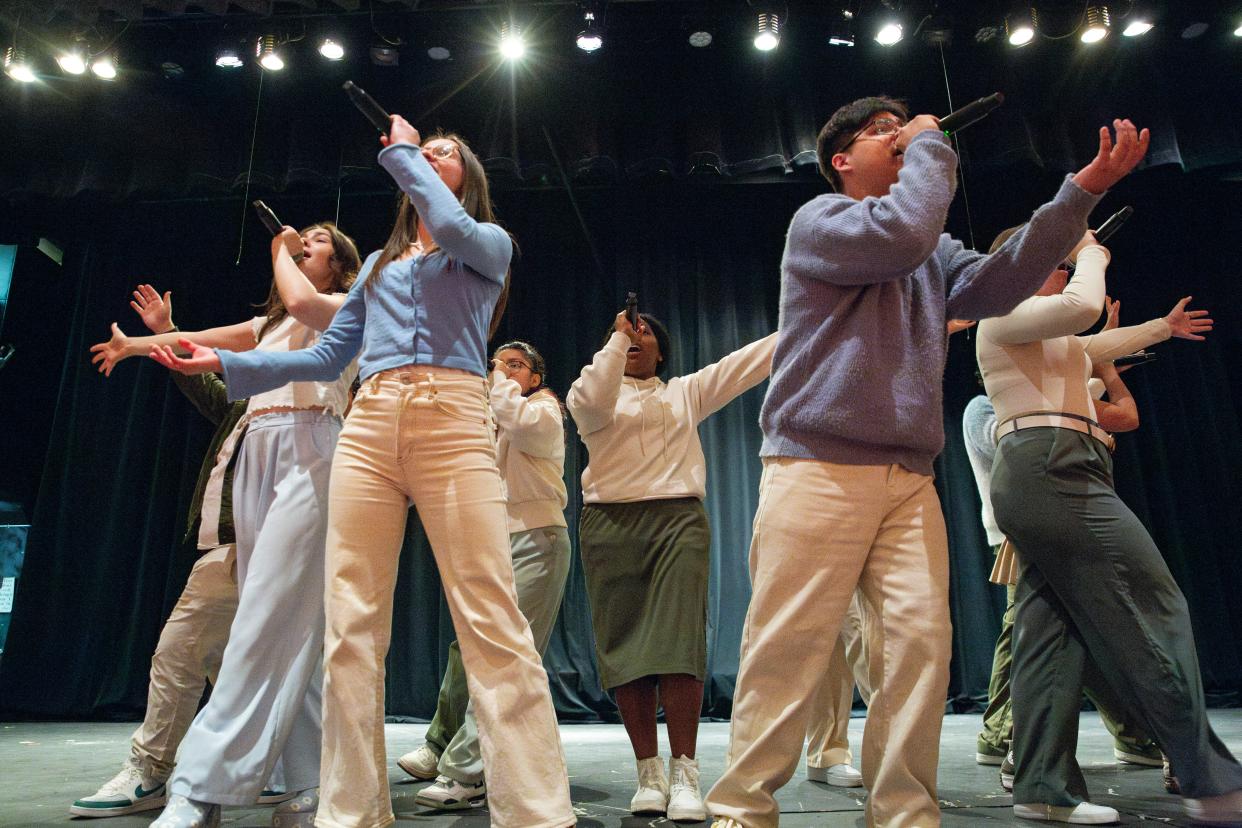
(1084, 813)
(652, 794)
(685, 803)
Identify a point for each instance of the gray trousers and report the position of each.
(1093, 584)
(540, 567)
(266, 705)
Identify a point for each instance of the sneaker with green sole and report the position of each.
(126, 793)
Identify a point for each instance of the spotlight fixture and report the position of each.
(16, 66)
(1020, 27)
(768, 32)
(1098, 23)
(439, 53)
(841, 34)
(1238, 31)
(701, 39)
(889, 34)
(512, 45)
(228, 58)
(383, 54)
(265, 51)
(1194, 30)
(331, 49)
(72, 61)
(590, 38)
(104, 66)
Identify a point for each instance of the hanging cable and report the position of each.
(970, 227)
(254, 134)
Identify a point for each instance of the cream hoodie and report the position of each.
(1031, 359)
(530, 451)
(643, 434)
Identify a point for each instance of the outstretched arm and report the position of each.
(304, 303)
(106, 355)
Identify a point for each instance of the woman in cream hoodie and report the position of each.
(530, 452)
(645, 539)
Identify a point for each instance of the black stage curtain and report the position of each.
(673, 201)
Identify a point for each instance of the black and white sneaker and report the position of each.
(447, 794)
(126, 793)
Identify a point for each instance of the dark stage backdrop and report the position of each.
(685, 192)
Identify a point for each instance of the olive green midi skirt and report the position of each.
(646, 567)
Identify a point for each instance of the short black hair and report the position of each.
(663, 340)
(844, 123)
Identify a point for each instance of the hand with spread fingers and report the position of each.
(1114, 160)
(1188, 324)
(201, 360)
(155, 310)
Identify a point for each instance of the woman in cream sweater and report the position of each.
(645, 540)
(1092, 583)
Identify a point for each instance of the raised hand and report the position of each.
(1113, 309)
(1188, 324)
(288, 239)
(622, 324)
(201, 359)
(1088, 239)
(155, 310)
(917, 124)
(108, 354)
(1114, 160)
(400, 133)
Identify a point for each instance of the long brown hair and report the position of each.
(345, 264)
(476, 200)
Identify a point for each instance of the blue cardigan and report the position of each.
(426, 310)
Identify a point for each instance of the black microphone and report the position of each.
(368, 107)
(631, 309)
(971, 112)
(273, 225)
(1113, 224)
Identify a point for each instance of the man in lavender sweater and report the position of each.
(852, 422)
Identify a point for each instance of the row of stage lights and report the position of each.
(1021, 28)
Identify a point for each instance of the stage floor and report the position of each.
(46, 766)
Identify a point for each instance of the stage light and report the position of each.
(265, 51)
(889, 34)
(228, 59)
(72, 61)
(1238, 31)
(701, 39)
(768, 33)
(1097, 25)
(1136, 28)
(512, 45)
(1020, 27)
(16, 66)
(590, 38)
(1194, 30)
(104, 67)
(331, 49)
(439, 53)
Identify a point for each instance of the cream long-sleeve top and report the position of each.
(643, 435)
(1031, 358)
(530, 452)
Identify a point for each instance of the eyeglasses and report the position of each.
(445, 150)
(880, 127)
(517, 365)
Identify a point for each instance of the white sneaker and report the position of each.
(685, 803)
(652, 794)
(446, 794)
(126, 793)
(298, 811)
(839, 776)
(1225, 809)
(1145, 760)
(421, 763)
(1006, 772)
(1084, 813)
(182, 812)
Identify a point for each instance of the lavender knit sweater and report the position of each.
(866, 289)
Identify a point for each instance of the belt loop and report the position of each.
(432, 390)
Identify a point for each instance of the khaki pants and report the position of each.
(422, 435)
(821, 530)
(827, 737)
(189, 652)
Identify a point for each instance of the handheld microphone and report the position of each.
(971, 112)
(273, 225)
(368, 107)
(631, 309)
(1113, 224)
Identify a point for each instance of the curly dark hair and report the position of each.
(844, 123)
